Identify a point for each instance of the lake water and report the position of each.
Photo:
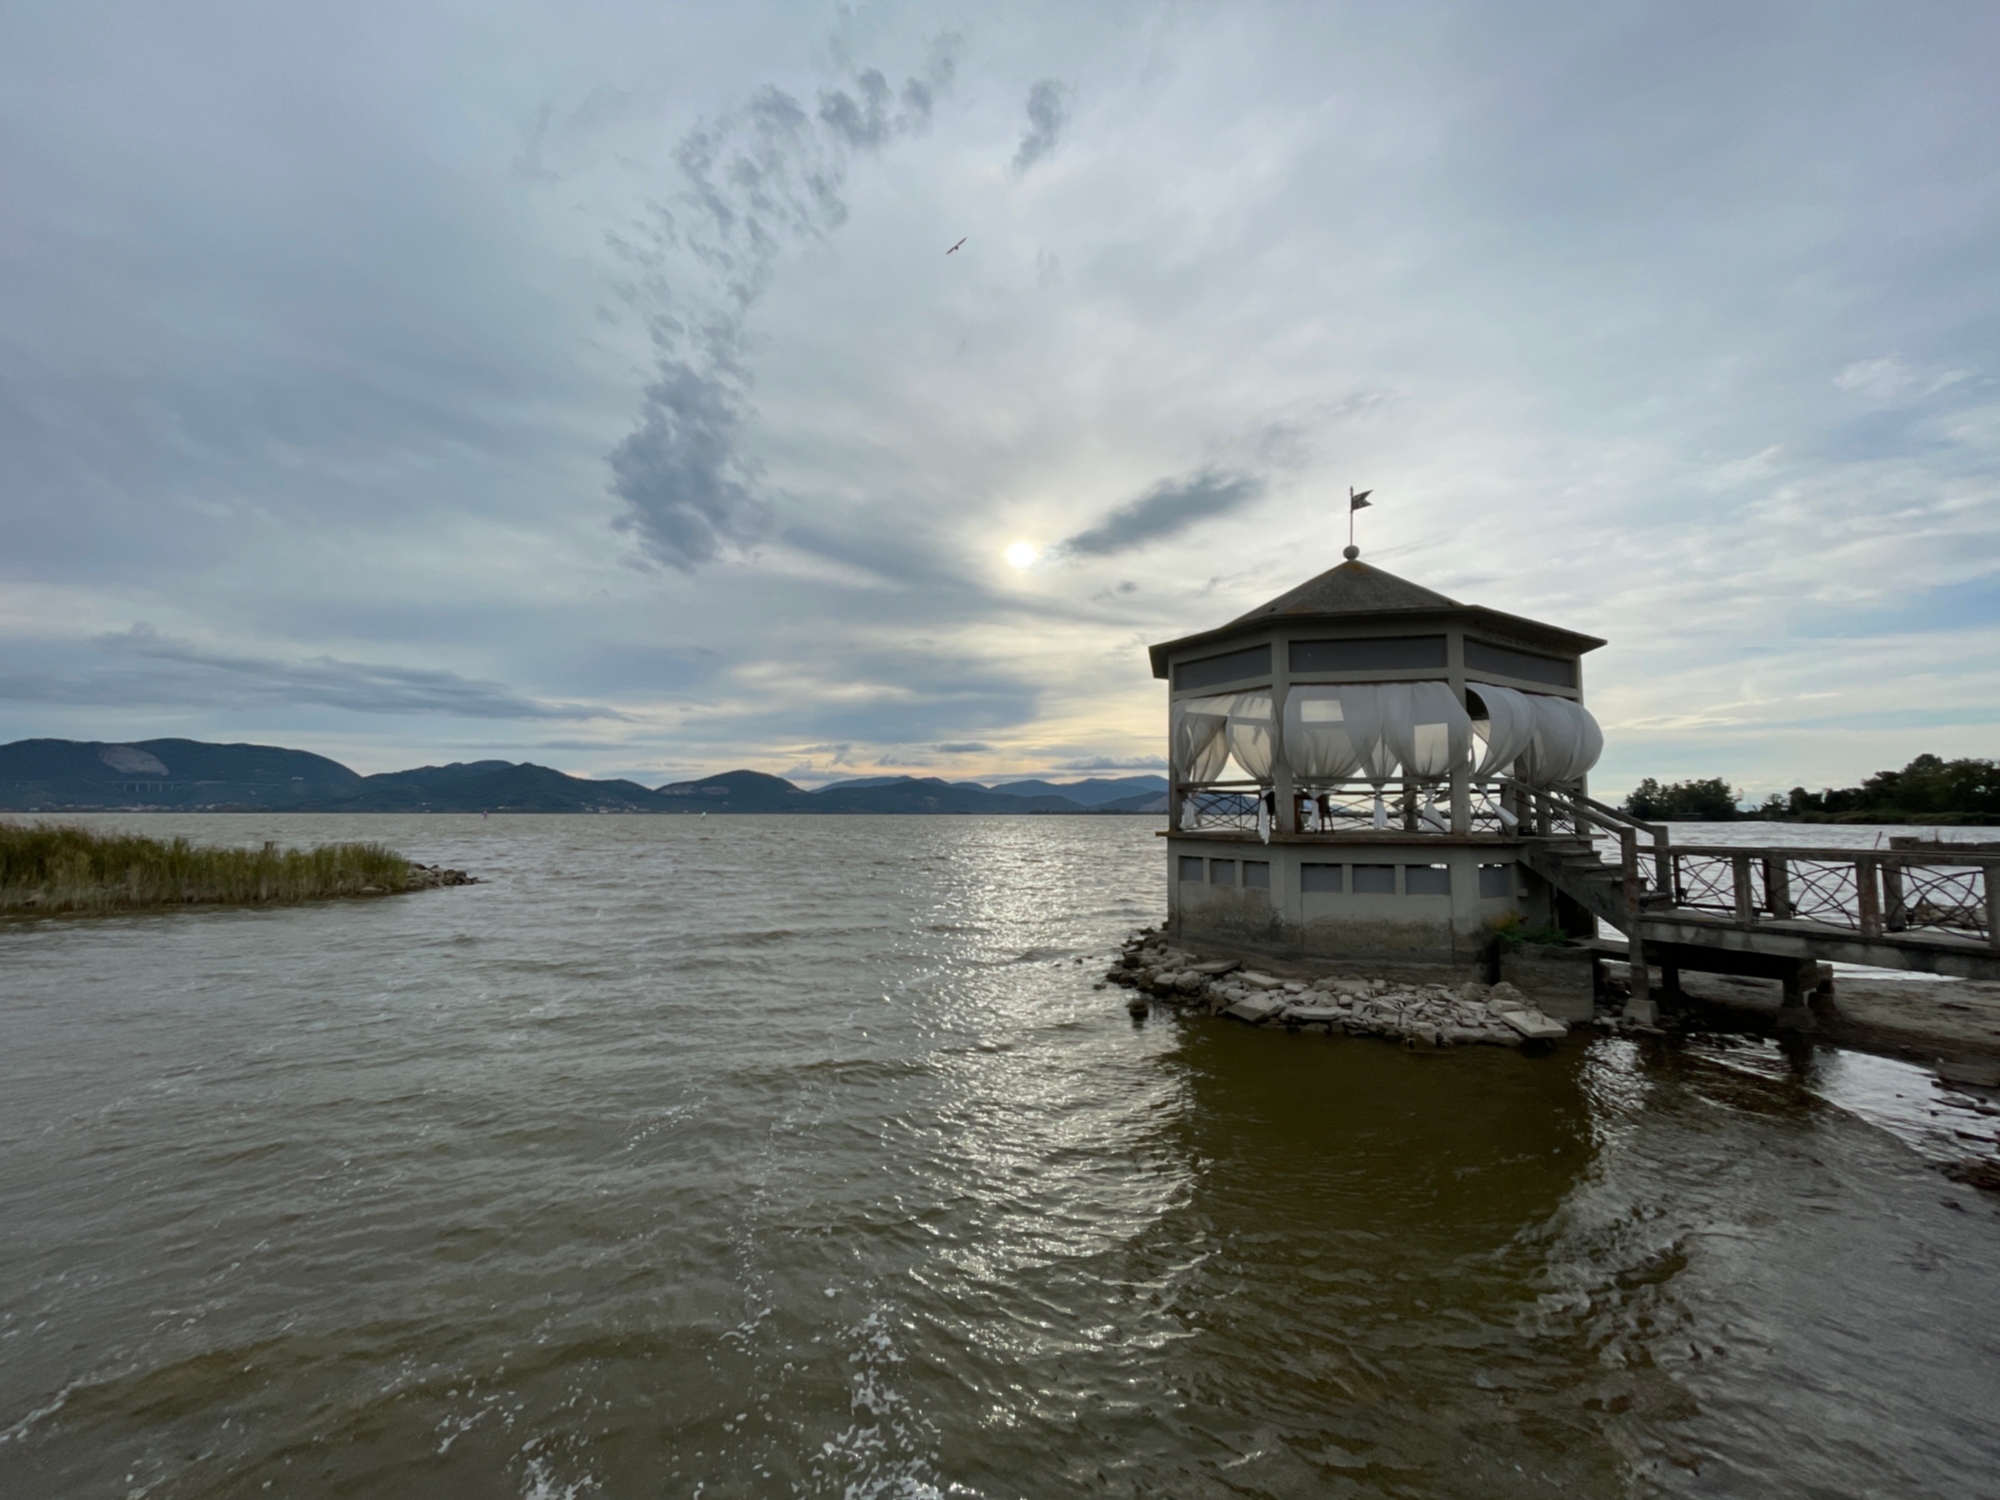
(760, 1156)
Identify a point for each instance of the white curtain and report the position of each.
(1508, 728)
(1200, 737)
(1253, 739)
(1328, 729)
(1425, 728)
(1381, 702)
(1567, 742)
(1593, 742)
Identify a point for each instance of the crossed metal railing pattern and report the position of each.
(1345, 807)
(1221, 805)
(1930, 894)
(1870, 892)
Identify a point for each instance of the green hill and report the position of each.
(57, 775)
(187, 775)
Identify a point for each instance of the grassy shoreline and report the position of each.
(51, 868)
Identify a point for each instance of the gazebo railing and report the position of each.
(1342, 808)
(1222, 806)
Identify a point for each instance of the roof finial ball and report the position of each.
(1356, 500)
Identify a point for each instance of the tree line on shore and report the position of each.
(1930, 789)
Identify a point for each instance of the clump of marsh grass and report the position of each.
(53, 868)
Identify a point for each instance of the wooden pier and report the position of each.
(1773, 910)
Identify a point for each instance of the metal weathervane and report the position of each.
(1355, 501)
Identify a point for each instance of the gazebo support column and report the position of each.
(1640, 1007)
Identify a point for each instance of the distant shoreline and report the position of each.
(585, 813)
(74, 776)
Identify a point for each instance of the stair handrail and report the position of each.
(1587, 811)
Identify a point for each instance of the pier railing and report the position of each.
(1872, 892)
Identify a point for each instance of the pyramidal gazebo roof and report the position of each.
(1353, 591)
(1353, 588)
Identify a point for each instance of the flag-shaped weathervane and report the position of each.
(1355, 500)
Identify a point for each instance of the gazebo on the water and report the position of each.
(1353, 766)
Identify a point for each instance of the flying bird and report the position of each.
(954, 249)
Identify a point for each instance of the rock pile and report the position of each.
(1420, 1015)
(424, 877)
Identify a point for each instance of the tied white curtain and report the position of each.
(1425, 729)
(1508, 728)
(1253, 740)
(1373, 706)
(1200, 738)
(1567, 742)
(1329, 729)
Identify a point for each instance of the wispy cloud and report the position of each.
(180, 674)
(1113, 763)
(1889, 381)
(1048, 113)
(1169, 507)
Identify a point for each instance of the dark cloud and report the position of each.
(182, 675)
(1168, 507)
(1048, 112)
(866, 124)
(964, 747)
(766, 176)
(688, 488)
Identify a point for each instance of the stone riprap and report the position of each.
(429, 877)
(1417, 1015)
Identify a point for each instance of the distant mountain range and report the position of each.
(185, 775)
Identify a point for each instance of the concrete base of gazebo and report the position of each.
(1385, 901)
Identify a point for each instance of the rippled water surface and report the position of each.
(746, 1156)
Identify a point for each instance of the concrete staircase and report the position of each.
(1573, 866)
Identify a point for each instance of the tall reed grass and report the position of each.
(52, 868)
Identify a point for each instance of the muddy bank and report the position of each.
(1923, 1020)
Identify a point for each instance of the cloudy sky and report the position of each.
(589, 383)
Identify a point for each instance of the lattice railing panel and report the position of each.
(1704, 883)
(1938, 898)
(1232, 810)
(1824, 891)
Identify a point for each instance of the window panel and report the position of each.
(1427, 880)
(1237, 665)
(1395, 653)
(1523, 666)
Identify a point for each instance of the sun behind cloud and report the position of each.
(1022, 555)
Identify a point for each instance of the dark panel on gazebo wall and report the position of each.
(1505, 661)
(1381, 654)
(1210, 670)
